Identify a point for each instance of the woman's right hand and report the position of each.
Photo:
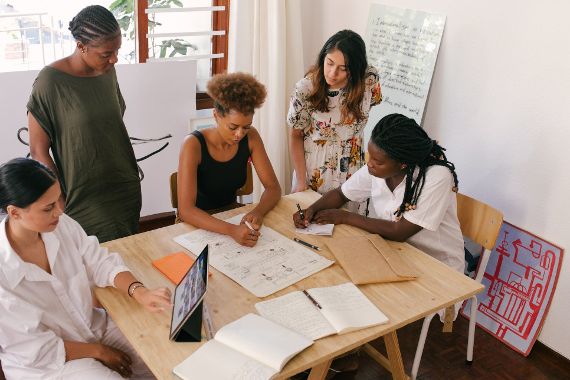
(303, 223)
(244, 235)
(115, 359)
(299, 186)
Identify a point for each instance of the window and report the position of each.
(178, 29)
(34, 33)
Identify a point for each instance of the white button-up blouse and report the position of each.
(39, 310)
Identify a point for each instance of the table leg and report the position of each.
(395, 356)
(319, 372)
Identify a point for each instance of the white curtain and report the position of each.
(265, 40)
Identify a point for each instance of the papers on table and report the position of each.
(316, 229)
(273, 264)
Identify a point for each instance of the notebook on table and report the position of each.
(251, 347)
(319, 312)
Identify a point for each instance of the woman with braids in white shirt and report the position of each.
(411, 186)
(48, 265)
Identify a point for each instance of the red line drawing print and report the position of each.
(519, 281)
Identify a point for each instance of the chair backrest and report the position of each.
(174, 190)
(479, 221)
(246, 189)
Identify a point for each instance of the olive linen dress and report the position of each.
(83, 117)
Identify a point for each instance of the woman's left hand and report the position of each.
(155, 300)
(253, 218)
(330, 216)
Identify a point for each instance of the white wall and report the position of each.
(160, 98)
(500, 103)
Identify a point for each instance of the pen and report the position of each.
(301, 213)
(306, 244)
(248, 224)
(312, 299)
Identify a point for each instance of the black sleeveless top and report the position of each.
(218, 181)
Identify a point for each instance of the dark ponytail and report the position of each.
(23, 181)
(405, 141)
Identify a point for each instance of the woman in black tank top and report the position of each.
(213, 161)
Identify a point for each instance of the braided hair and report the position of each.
(405, 141)
(94, 23)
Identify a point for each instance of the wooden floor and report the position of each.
(444, 357)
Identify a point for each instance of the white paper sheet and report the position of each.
(316, 229)
(273, 264)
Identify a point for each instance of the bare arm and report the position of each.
(153, 300)
(264, 169)
(188, 162)
(325, 210)
(297, 151)
(39, 143)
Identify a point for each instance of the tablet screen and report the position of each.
(189, 292)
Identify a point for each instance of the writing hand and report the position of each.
(331, 216)
(243, 235)
(155, 300)
(115, 359)
(303, 222)
(255, 219)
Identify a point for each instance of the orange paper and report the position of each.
(174, 266)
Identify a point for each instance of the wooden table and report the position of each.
(437, 287)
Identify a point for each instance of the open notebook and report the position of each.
(343, 308)
(251, 347)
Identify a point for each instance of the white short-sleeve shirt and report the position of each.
(436, 211)
(39, 310)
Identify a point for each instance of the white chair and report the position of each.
(481, 223)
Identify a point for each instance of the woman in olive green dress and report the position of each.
(76, 110)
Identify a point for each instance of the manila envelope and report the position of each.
(369, 259)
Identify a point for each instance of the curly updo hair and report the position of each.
(240, 92)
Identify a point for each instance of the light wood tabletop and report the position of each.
(437, 287)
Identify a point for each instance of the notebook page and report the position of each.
(347, 308)
(296, 312)
(263, 340)
(205, 364)
(316, 229)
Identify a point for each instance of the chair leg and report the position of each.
(420, 349)
(471, 336)
(485, 256)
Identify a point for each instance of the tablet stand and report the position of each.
(191, 331)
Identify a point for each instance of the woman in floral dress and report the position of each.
(328, 113)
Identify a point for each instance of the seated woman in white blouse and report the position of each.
(48, 326)
(411, 186)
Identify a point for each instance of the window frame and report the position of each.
(220, 21)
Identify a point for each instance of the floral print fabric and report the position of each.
(333, 147)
